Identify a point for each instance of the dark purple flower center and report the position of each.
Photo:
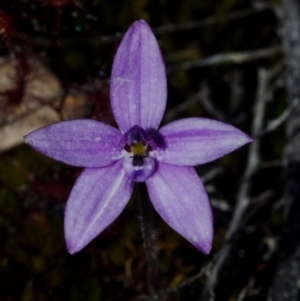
(136, 143)
(137, 160)
(139, 165)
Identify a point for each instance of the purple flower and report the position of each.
(138, 152)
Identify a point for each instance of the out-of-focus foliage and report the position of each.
(77, 40)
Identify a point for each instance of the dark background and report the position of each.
(224, 61)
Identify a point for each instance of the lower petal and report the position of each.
(179, 197)
(97, 199)
(139, 173)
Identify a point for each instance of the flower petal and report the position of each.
(180, 198)
(138, 80)
(97, 199)
(139, 173)
(85, 143)
(194, 141)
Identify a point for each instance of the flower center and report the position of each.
(139, 151)
(138, 164)
(136, 145)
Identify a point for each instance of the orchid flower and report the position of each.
(138, 151)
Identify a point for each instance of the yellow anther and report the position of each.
(138, 149)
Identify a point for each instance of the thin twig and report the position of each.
(211, 174)
(243, 294)
(171, 114)
(221, 205)
(274, 124)
(222, 58)
(169, 28)
(207, 102)
(253, 157)
(203, 97)
(243, 194)
(191, 280)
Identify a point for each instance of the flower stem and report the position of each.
(146, 212)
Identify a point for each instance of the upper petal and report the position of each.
(86, 143)
(180, 198)
(194, 141)
(138, 81)
(97, 199)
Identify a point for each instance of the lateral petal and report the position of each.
(138, 80)
(179, 197)
(84, 143)
(97, 199)
(194, 141)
